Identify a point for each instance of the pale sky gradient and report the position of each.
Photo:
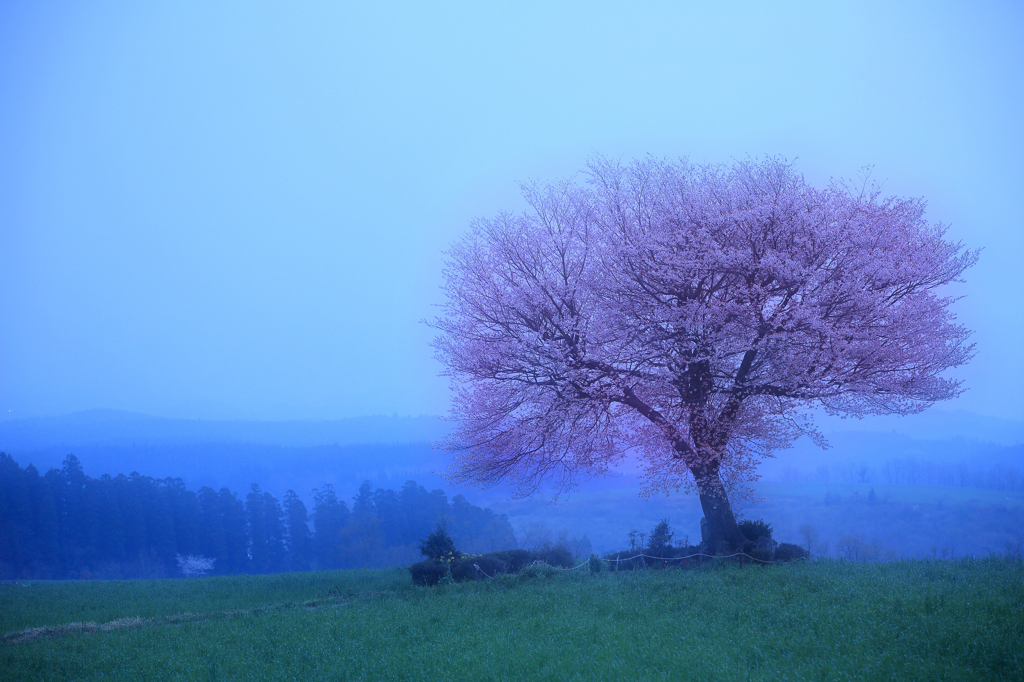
(239, 210)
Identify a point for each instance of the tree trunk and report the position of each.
(724, 535)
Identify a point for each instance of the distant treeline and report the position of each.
(65, 524)
(911, 471)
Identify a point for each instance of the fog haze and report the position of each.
(222, 226)
(920, 482)
(227, 211)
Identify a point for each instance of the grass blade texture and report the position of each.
(911, 620)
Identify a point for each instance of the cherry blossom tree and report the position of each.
(194, 566)
(694, 315)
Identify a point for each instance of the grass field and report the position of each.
(913, 620)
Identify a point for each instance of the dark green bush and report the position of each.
(512, 561)
(556, 555)
(763, 550)
(596, 565)
(439, 544)
(660, 542)
(463, 569)
(753, 530)
(515, 559)
(431, 571)
(428, 572)
(791, 552)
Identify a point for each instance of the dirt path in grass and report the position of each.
(32, 634)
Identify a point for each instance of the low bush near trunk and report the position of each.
(790, 552)
(473, 567)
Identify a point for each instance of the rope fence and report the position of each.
(702, 556)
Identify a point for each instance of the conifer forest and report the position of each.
(65, 524)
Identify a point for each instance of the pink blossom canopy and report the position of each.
(692, 312)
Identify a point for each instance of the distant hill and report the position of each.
(301, 454)
(119, 428)
(297, 455)
(934, 424)
(276, 469)
(873, 449)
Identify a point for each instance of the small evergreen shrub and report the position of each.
(660, 542)
(790, 552)
(439, 544)
(754, 530)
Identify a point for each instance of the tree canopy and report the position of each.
(694, 313)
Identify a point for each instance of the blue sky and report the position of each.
(225, 210)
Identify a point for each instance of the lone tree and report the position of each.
(693, 314)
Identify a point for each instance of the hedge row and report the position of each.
(464, 567)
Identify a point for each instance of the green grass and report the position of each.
(816, 621)
(40, 603)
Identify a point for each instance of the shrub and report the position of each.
(515, 559)
(790, 552)
(754, 530)
(428, 572)
(596, 565)
(660, 542)
(555, 556)
(764, 549)
(439, 544)
(464, 569)
(494, 564)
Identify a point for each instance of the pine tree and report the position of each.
(300, 545)
(259, 549)
(211, 529)
(330, 516)
(273, 520)
(44, 556)
(235, 539)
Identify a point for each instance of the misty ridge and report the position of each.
(952, 479)
(122, 428)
